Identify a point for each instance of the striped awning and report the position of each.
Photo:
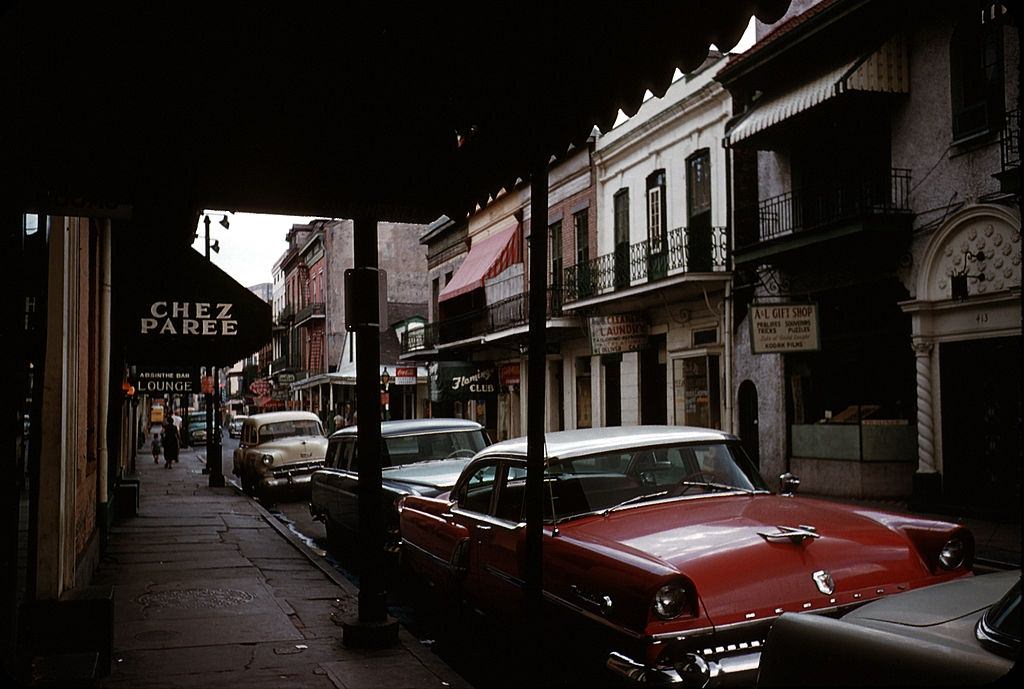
(883, 71)
(486, 259)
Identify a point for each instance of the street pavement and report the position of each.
(211, 591)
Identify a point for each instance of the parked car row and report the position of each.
(667, 543)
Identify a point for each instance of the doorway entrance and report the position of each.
(980, 413)
(747, 403)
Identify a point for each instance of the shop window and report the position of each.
(696, 391)
(705, 337)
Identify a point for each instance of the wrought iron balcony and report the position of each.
(805, 209)
(683, 250)
(310, 312)
(419, 339)
(502, 315)
(287, 315)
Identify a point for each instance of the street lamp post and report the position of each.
(214, 458)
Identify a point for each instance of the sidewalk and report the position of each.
(210, 591)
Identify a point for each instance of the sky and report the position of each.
(254, 242)
(250, 246)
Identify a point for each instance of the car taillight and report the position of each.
(952, 554)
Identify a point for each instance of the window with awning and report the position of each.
(486, 259)
(882, 71)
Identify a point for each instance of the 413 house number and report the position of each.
(981, 317)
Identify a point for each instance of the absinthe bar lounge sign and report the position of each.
(191, 313)
(158, 380)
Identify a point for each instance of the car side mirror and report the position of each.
(788, 483)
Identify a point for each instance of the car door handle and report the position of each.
(447, 515)
(482, 527)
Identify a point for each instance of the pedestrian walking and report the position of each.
(171, 444)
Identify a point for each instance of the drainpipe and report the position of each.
(102, 470)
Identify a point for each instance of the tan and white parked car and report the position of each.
(279, 451)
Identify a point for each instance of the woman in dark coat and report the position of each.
(171, 443)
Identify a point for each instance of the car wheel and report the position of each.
(248, 485)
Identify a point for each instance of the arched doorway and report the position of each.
(967, 349)
(748, 421)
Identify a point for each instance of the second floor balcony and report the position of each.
(503, 315)
(809, 216)
(683, 250)
(1009, 153)
(310, 313)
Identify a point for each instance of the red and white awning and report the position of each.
(487, 258)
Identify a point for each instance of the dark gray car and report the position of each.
(421, 457)
(959, 633)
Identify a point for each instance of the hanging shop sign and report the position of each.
(619, 333)
(457, 381)
(188, 312)
(782, 328)
(508, 374)
(156, 380)
(404, 375)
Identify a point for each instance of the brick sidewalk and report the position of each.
(209, 592)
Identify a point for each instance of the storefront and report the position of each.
(466, 391)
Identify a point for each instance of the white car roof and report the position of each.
(588, 441)
(275, 416)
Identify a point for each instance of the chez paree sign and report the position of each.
(191, 313)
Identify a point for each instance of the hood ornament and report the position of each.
(796, 534)
(824, 581)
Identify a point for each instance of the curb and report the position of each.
(444, 673)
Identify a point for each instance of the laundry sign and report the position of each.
(781, 328)
(619, 333)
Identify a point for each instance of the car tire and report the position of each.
(248, 485)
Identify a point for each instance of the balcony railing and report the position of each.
(307, 312)
(682, 250)
(502, 315)
(1009, 141)
(805, 209)
(287, 315)
(420, 338)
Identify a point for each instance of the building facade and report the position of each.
(872, 179)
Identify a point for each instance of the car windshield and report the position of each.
(288, 429)
(424, 447)
(605, 482)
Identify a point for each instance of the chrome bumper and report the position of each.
(286, 482)
(693, 671)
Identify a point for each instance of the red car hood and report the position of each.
(715, 542)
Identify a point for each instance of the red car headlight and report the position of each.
(671, 601)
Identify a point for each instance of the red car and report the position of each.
(668, 541)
